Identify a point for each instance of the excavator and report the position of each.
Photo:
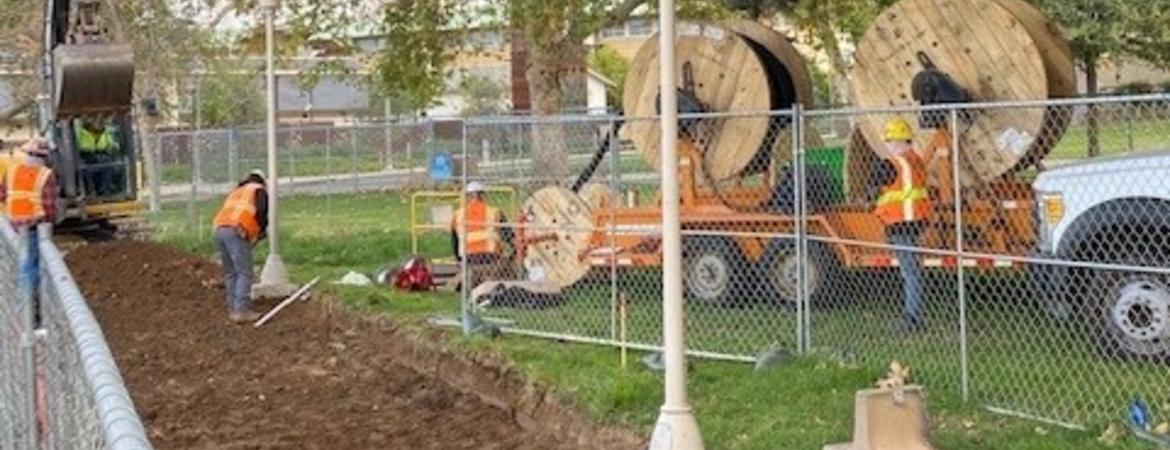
(88, 91)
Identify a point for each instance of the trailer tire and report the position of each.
(714, 270)
(778, 267)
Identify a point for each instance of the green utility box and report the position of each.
(832, 159)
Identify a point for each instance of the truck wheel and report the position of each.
(713, 270)
(779, 268)
(1132, 316)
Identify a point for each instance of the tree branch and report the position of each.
(579, 30)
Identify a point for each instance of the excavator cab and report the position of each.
(88, 112)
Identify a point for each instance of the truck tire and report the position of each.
(1131, 315)
(779, 266)
(714, 270)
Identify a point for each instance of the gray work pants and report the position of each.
(236, 254)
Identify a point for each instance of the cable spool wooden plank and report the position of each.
(1059, 66)
(737, 67)
(562, 220)
(985, 48)
(599, 195)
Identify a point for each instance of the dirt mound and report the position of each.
(314, 378)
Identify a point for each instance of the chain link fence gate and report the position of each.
(81, 401)
(1041, 281)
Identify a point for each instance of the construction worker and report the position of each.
(478, 225)
(239, 225)
(903, 207)
(97, 147)
(29, 195)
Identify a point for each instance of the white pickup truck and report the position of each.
(1112, 211)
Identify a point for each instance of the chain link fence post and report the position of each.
(960, 270)
(802, 304)
(465, 310)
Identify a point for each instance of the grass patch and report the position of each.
(1019, 357)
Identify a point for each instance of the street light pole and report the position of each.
(274, 278)
(676, 428)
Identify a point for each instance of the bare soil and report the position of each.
(316, 377)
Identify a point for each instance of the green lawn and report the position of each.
(1019, 358)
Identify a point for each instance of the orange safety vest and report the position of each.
(905, 200)
(26, 184)
(239, 210)
(479, 233)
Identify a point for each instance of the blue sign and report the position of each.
(442, 167)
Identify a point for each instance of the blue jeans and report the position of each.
(910, 267)
(30, 268)
(235, 253)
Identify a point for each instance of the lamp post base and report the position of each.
(676, 430)
(273, 280)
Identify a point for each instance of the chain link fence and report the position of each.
(72, 396)
(192, 170)
(16, 388)
(1035, 283)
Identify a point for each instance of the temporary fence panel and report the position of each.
(81, 401)
(788, 254)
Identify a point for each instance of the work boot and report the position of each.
(245, 316)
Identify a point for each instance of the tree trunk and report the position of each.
(828, 37)
(1093, 128)
(549, 151)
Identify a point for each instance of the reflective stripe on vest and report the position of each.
(90, 142)
(239, 210)
(26, 184)
(904, 200)
(479, 234)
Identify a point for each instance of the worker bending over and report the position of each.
(28, 191)
(477, 226)
(98, 150)
(903, 207)
(239, 225)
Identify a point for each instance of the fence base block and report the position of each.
(883, 421)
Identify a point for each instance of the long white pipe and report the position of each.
(672, 316)
(676, 428)
(270, 80)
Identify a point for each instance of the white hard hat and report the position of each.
(474, 187)
(259, 173)
(36, 147)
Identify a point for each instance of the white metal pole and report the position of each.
(676, 428)
(274, 277)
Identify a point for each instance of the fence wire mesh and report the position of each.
(783, 249)
(1035, 285)
(15, 394)
(80, 400)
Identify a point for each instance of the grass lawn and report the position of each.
(1019, 358)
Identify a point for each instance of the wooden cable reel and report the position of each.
(736, 67)
(559, 222)
(998, 50)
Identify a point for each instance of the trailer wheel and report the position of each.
(1132, 314)
(713, 270)
(779, 268)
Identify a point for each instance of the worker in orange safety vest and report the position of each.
(28, 191)
(477, 227)
(903, 206)
(240, 224)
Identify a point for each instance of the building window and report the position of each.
(640, 27)
(615, 31)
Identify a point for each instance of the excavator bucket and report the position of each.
(93, 79)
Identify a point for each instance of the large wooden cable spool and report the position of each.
(559, 224)
(736, 67)
(997, 50)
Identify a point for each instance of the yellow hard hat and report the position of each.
(898, 129)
